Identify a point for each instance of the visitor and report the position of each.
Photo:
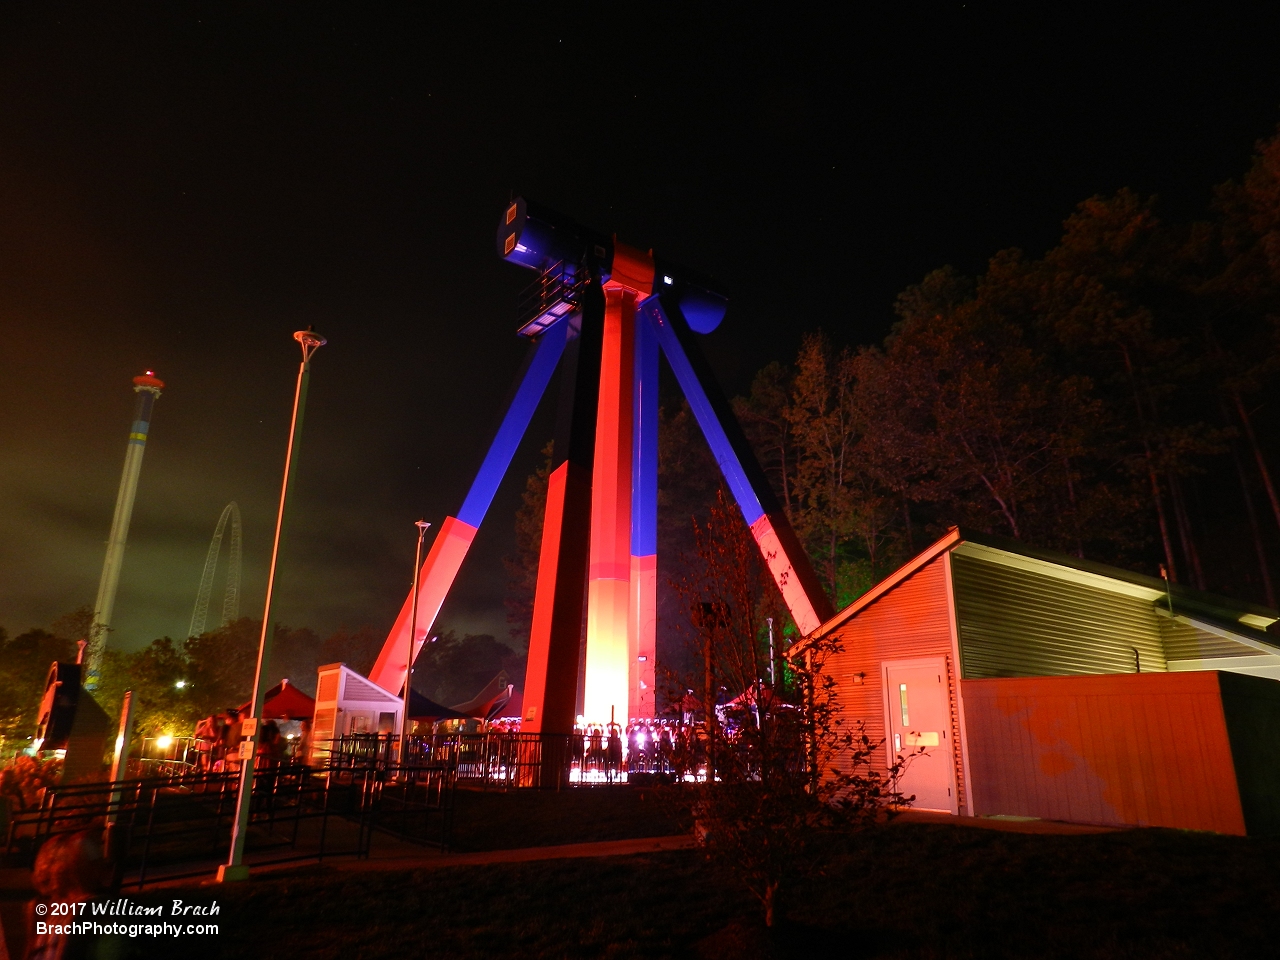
(232, 731)
(614, 763)
(270, 746)
(302, 744)
(68, 869)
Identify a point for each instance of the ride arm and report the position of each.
(783, 554)
(451, 544)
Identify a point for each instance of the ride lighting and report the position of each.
(181, 684)
(538, 238)
(164, 742)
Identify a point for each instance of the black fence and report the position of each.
(507, 760)
(179, 824)
(173, 815)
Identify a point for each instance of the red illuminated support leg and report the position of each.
(448, 550)
(607, 690)
(555, 640)
(551, 677)
(797, 582)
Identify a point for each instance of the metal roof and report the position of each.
(1245, 621)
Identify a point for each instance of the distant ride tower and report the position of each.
(231, 596)
(148, 388)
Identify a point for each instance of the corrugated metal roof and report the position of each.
(1019, 623)
(1184, 641)
(1064, 568)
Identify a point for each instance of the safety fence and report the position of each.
(506, 760)
(183, 821)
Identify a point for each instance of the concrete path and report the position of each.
(429, 859)
(395, 855)
(1007, 824)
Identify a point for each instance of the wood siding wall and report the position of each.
(1137, 749)
(911, 620)
(1018, 623)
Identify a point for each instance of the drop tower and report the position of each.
(148, 388)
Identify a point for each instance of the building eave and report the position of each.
(952, 539)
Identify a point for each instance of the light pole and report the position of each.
(773, 655)
(422, 526)
(234, 868)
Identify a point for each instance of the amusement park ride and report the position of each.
(602, 312)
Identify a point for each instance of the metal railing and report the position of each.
(507, 760)
(554, 294)
(295, 813)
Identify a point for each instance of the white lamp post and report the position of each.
(422, 526)
(235, 868)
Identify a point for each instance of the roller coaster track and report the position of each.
(231, 598)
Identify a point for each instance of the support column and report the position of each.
(779, 547)
(642, 615)
(610, 660)
(456, 534)
(608, 694)
(551, 677)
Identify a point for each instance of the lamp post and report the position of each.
(422, 526)
(773, 655)
(234, 868)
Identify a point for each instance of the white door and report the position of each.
(919, 731)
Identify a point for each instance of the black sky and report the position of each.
(183, 185)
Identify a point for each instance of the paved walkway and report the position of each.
(430, 859)
(1007, 824)
(391, 854)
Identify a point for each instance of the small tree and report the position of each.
(784, 766)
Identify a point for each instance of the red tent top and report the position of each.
(515, 706)
(284, 701)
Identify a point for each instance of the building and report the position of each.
(347, 704)
(1031, 683)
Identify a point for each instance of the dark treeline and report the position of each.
(176, 683)
(1106, 399)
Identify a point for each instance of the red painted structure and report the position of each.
(1146, 749)
(1038, 685)
(610, 659)
(447, 552)
(602, 313)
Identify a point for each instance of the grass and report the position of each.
(903, 891)
(908, 890)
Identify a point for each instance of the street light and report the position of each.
(773, 655)
(422, 526)
(234, 868)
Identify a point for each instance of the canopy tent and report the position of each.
(757, 693)
(513, 707)
(424, 708)
(284, 701)
(488, 703)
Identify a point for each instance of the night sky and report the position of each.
(184, 185)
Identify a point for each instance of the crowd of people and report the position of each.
(218, 741)
(643, 746)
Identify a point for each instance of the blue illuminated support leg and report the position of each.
(788, 563)
(451, 544)
(643, 609)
